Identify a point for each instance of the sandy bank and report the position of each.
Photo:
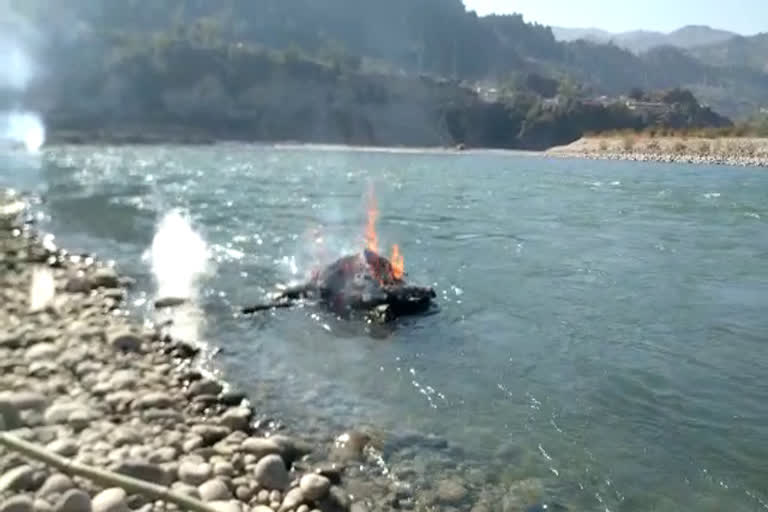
(694, 150)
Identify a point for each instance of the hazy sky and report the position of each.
(743, 16)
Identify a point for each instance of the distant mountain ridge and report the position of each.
(639, 41)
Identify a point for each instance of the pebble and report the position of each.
(303, 508)
(125, 341)
(74, 500)
(169, 302)
(205, 387)
(260, 447)
(192, 443)
(164, 454)
(275, 496)
(314, 486)
(154, 400)
(210, 434)
(451, 492)
(105, 277)
(293, 499)
(226, 506)
(110, 500)
(262, 508)
(59, 413)
(194, 473)
(56, 483)
(42, 351)
(263, 496)
(63, 447)
(40, 505)
(223, 469)
(17, 504)
(270, 472)
(214, 490)
(236, 418)
(17, 479)
(244, 493)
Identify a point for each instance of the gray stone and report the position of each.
(226, 506)
(276, 496)
(214, 490)
(124, 379)
(40, 505)
(237, 418)
(451, 492)
(260, 447)
(194, 473)
(17, 504)
(143, 471)
(314, 486)
(290, 448)
(270, 473)
(205, 387)
(79, 419)
(223, 469)
(126, 435)
(293, 499)
(59, 412)
(164, 454)
(74, 500)
(337, 499)
(192, 443)
(110, 500)
(17, 479)
(56, 484)
(63, 447)
(125, 341)
(42, 351)
(77, 284)
(263, 496)
(154, 400)
(211, 434)
(243, 493)
(105, 277)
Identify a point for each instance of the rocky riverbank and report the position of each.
(88, 383)
(743, 152)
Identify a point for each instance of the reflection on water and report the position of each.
(600, 335)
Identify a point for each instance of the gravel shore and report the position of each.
(87, 382)
(740, 152)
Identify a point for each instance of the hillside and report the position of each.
(639, 41)
(745, 52)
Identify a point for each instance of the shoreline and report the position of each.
(87, 381)
(734, 152)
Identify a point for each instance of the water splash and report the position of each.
(22, 128)
(179, 257)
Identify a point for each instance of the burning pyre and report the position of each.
(365, 282)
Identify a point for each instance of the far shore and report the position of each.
(733, 151)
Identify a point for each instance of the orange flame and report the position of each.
(398, 262)
(372, 239)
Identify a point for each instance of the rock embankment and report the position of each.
(741, 152)
(87, 383)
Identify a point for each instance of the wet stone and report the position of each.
(205, 387)
(270, 472)
(125, 341)
(260, 447)
(314, 486)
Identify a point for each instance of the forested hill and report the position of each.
(363, 71)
